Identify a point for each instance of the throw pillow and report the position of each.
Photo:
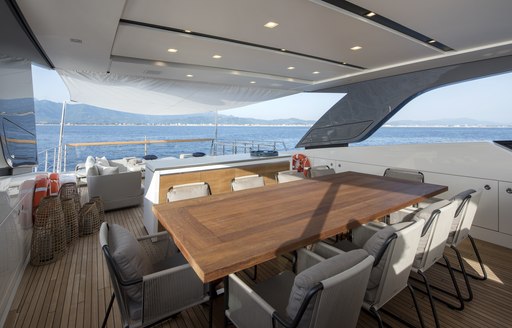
(89, 162)
(102, 161)
(92, 171)
(107, 170)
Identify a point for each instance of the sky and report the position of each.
(487, 99)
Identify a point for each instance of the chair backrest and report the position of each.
(405, 174)
(438, 219)
(319, 171)
(330, 292)
(467, 206)
(128, 306)
(288, 176)
(247, 182)
(391, 271)
(188, 191)
(342, 296)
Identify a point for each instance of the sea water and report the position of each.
(287, 136)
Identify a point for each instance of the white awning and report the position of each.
(143, 95)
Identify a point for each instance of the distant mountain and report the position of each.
(48, 112)
(454, 122)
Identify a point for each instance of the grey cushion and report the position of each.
(103, 161)
(92, 171)
(308, 278)
(107, 170)
(373, 247)
(130, 258)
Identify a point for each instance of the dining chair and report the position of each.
(150, 283)
(406, 174)
(438, 219)
(188, 191)
(319, 171)
(247, 182)
(324, 293)
(243, 183)
(467, 205)
(394, 249)
(289, 176)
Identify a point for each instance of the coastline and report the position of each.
(281, 125)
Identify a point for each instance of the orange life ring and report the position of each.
(53, 187)
(40, 191)
(300, 162)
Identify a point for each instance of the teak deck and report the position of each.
(223, 234)
(74, 291)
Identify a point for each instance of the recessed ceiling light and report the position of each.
(316, 72)
(370, 14)
(159, 63)
(283, 49)
(172, 50)
(271, 24)
(291, 67)
(217, 56)
(356, 48)
(75, 40)
(187, 31)
(290, 80)
(252, 82)
(432, 41)
(190, 75)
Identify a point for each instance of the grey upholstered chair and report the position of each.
(394, 249)
(405, 174)
(467, 206)
(438, 219)
(188, 191)
(324, 293)
(149, 283)
(288, 176)
(319, 171)
(247, 182)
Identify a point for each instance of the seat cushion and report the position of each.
(374, 245)
(130, 258)
(310, 277)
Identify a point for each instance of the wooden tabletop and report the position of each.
(226, 233)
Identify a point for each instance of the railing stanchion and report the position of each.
(46, 160)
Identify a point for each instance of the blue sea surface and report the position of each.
(48, 138)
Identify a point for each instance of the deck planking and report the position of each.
(75, 290)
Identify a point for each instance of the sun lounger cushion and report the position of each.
(308, 278)
(130, 259)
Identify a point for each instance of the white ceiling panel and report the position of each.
(93, 22)
(460, 24)
(153, 45)
(304, 27)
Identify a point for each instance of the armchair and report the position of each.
(149, 282)
(324, 293)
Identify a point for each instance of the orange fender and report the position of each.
(53, 188)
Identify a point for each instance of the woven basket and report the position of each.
(99, 205)
(49, 232)
(71, 219)
(70, 190)
(89, 219)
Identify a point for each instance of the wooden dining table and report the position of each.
(226, 233)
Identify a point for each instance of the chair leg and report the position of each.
(457, 294)
(418, 312)
(375, 313)
(377, 317)
(430, 298)
(464, 274)
(104, 324)
(475, 249)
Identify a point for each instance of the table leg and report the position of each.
(226, 299)
(213, 294)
